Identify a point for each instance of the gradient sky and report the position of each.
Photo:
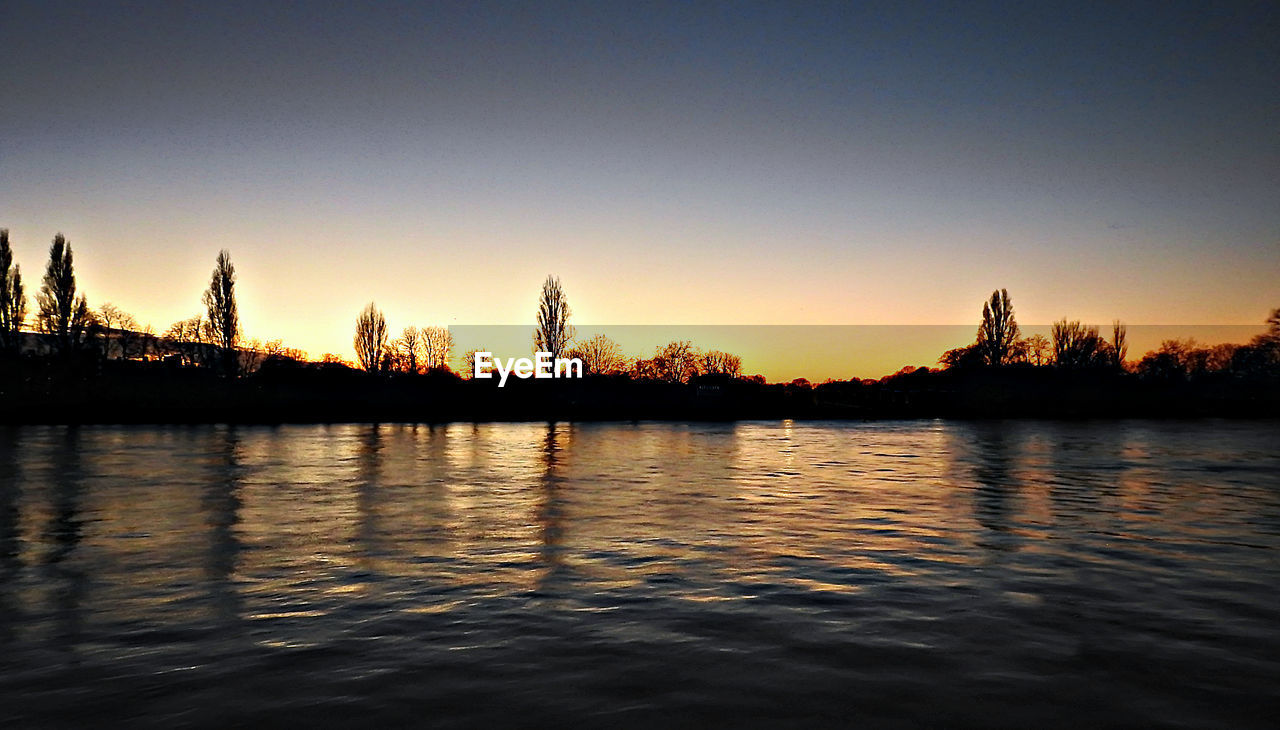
(735, 163)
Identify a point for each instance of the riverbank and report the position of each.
(157, 394)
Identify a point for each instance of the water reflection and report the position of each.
(993, 463)
(556, 444)
(62, 534)
(368, 488)
(11, 445)
(593, 570)
(220, 506)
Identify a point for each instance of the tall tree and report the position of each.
(999, 330)
(220, 303)
(57, 297)
(408, 350)
(437, 347)
(13, 300)
(371, 338)
(553, 333)
(1119, 342)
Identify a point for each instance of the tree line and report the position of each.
(67, 327)
(1075, 346)
(70, 328)
(428, 349)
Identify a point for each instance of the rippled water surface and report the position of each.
(995, 574)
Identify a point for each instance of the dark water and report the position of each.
(993, 574)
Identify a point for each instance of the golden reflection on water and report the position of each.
(280, 526)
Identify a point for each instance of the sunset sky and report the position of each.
(709, 163)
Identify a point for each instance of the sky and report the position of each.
(684, 163)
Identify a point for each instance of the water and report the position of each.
(995, 574)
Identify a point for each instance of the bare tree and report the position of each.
(468, 363)
(273, 348)
(220, 303)
(250, 356)
(676, 362)
(715, 362)
(599, 355)
(127, 335)
(332, 360)
(371, 338)
(184, 338)
(175, 338)
(13, 300)
(645, 369)
(59, 309)
(1038, 350)
(191, 339)
(553, 333)
(409, 349)
(998, 331)
(116, 326)
(437, 347)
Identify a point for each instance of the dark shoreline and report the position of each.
(156, 395)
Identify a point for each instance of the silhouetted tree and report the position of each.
(553, 333)
(437, 348)
(675, 362)
(188, 339)
(275, 351)
(1038, 350)
(1077, 346)
(371, 338)
(1219, 357)
(468, 362)
(1119, 343)
(139, 344)
(220, 303)
(331, 359)
(250, 357)
(116, 327)
(408, 349)
(273, 348)
(59, 311)
(962, 358)
(13, 300)
(998, 331)
(599, 355)
(645, 369)
(1273, 328)
(83, 323)
(1171, 360)
(1270, 340)
(715, 362)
